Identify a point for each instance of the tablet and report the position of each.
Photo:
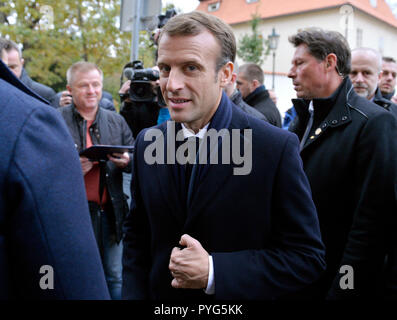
(100, 151)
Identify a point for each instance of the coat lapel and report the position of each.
(167, 180)
(214, 176)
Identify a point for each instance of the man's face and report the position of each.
(308, 75)
(388, 77)
(86, 89)
(189, 84)
(364, 73)
(244, 85)
(15, 63)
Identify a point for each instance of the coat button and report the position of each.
(334, 121)
(324, 125)
(344, 118)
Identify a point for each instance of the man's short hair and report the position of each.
(388, 59)
(9, 45)
(377, 54)
(251, 72)
(81, 66)
(193, 23)
(323, 42)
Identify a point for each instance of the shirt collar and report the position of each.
(187, 133)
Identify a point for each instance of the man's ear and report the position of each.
(330, 62)
(255, 84)
(226, 74)
(69, 88)
(22, 61)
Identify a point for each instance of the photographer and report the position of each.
(142, 104)
(141, 97)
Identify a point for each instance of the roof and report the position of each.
(238, 11)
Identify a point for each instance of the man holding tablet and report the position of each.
(91, 125)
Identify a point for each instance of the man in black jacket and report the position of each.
(349, 152)
(250, 83)
(387, 82)
(90, 125)
(236, 97)
(365, 73)
(16, 62)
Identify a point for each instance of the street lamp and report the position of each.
(273, 43)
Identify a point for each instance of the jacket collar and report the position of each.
(380, 100)
(336, 112)
(258, 93)
(79, 117)
(236, 97)
(388, 96)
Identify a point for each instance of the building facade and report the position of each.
(364, 23)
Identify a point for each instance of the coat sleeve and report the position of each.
(136, 243)
(371, 244)
(294, 256)
(48, 218)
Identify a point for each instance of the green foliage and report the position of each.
(80, 30)
(253, 47)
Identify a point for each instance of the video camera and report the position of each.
(163, 18)
(140, 87)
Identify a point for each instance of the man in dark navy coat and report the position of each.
(47, 246)
(240, 230)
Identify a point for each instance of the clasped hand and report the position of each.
(189, 266)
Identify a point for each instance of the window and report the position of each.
(213, 6)
(359, 38)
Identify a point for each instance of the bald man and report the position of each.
(365, 74)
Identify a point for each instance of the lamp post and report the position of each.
(273, 43)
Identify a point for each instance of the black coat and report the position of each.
(237, 99)
(261, 101)
(385, 103)
(41, 89)
(109, 128)
(350, 159)
(261, 228)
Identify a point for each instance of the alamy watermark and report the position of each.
(229, 141)
(47, 280)
(347, 280)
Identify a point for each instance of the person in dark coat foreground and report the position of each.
(47, 245)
